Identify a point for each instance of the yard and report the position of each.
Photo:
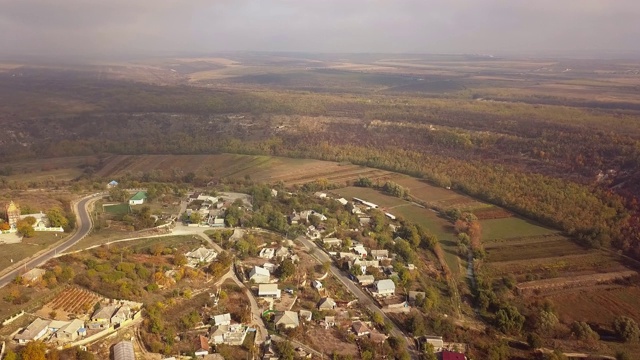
(13, 253)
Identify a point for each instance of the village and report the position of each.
(341, 291)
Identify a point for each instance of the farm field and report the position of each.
(512, 227)
(72, 300)
(65, 168)
(258, 168)
(437, 196)
(598, 304)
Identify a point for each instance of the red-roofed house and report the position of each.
(450, 355)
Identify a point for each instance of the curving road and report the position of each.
(83, 227)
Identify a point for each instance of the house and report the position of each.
(360, 329)
(380, 254)
(121, 315)
(326, 304)
(360, 250)
(436, 341)
(201, 255)
(112, 184)
(216, 221)
(305, 315)
(364, 264)
(232, 335)
(331, 242)
(35, 331)
(33, 275)
(259, 275)
(450, 355)
(222, 319)
(365, 280)
(193, 197)
(267, 253)
(294, 218)
(269, 290)
(270, 267)
(342, 201)
(385, 287)
(101, 318)
(306, 213)
(287, 319)
(71, 331)
(282, 253)
(202, 346)
(347, 255)
(123, 351)
(138, 198)
(316, 284)
(330, 321)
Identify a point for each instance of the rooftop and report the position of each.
(140, 195)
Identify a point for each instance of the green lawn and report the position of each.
(119, 209)
(512, 227)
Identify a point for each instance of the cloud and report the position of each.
(120, 27)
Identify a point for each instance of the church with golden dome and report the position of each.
(13, 214)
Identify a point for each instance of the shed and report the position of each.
(222, 319)
(123, 351)
(365, 280)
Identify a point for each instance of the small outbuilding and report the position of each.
(123, 351)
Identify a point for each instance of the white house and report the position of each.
(331, 241)
(201, 255)
(259, 275)
(35, 331)
(342, 201)
(71, 331)
(326, 304)
(138, 198)
(385, 287)
(287, 319)
(269, 290)
(380, 254)
(365, 280)
(360, 250)
(316, 284)
(222, 319)
(267, 253)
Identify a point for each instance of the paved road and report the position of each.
(363, 298)
(84, 226)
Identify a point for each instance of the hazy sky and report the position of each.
(118, 27)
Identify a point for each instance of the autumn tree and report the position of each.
(34, 350)
(626, 329)
(25, 228)
(57, 218)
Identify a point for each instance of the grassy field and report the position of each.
(182, 242)
(28, 247)
(119, 209)
(513, 227)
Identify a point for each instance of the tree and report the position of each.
(626, 329)
(30, 220)
(179, 259)
(583, 331)
(56, 218)
(34, 350)
(10, 355)
(4, 226)
(534, 340)
(25, 228)
(195, 217)
(287, 269)
(509, 320)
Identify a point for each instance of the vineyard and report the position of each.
(74, 300)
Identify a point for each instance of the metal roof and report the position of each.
(123, 351)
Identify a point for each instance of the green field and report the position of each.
(120, 209)
(512, 227)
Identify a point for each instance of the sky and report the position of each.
(121, 27)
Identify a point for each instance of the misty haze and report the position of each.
(447, 180)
